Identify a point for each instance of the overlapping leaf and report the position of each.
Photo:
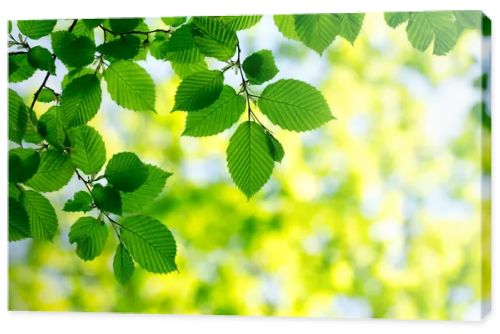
(213, 38)
(123, 265)
(73, 50)
(54, 172)
(198, 90)
(130, 86)
(36, 29)
(80, 100)
(150, 243)
(87, 151)
(42, 217)
(126, 171)
(90, 236)
(217, 117)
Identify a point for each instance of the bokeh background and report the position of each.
(376, 214)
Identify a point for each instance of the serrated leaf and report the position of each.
(180, 48)
(130, 86)
(75, 74)
(150, 243)
(260, 67)
(185, 70)
(73, 50)
(23, 164)
(294, 105)
(19, 68)
(198, 90)
(241, 22)
(41, 58)
(31, 134)
(19, 225)
(42, 217)
(125, 47)
(54, 172)
(80, 100)
(46, 95)
(317, 31)
(123, 265)
(126, 171)
(424, 27)
(107, 199)
(81, 29)
(249, 159)
(137, 200)
(213, 38)
(122, 26)
(36, 29)
(81, 201)
(394, 19)
(275, 148)
(87, 151)
(286, 26)
(217, 117)
(18, 117)
(174, 21)
(51, 128)
(350, 25)
(90, 236)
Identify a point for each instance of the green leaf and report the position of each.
(468, 19)
(294, 105)
(92, 23)
(107, 199)
(275, 148)
(395, 19)
(18, 117)
(51, 128)
(87, 151)
(80, 100)
(81, 201)
(350, 25)
(137, 200)
(180, 48)
(19, 68)
(286, 26)
(241, 22)
(260, 67)
(9, 27)
(122, 26)
(217, 117)
(130, 86)
(90, 236)
(41, 58)
(424, 27)
(23, 164)
(14, 191)
(36, 29)
(198, 90)
(174, 21)
(42, 217)
(73, 50)
(46, 95)
(75, 74)
(19, 225)
(81, 29)
(54, 172)
(123, 265)
(185, 70)
(317, 31)
(150, 243)
(213, 38)
(126, 171)
(249, 159)
(31, 134)
(125, 47)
